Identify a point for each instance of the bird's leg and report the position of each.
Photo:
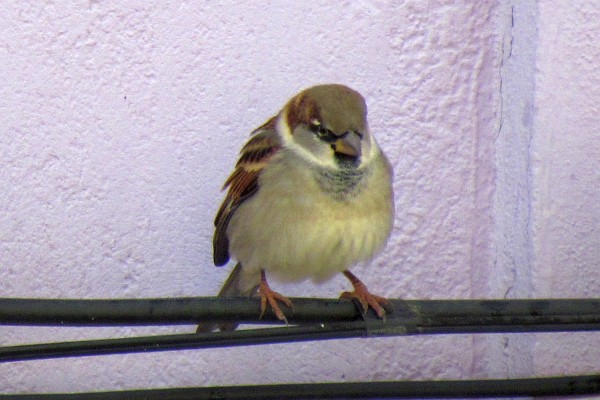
(365, 298)
(268, 295)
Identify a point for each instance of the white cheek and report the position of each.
(306, 147)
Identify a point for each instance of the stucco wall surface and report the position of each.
(119, 122)
(566, 175)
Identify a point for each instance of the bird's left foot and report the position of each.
(268, 295)
(364, 297)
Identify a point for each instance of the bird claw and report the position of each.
(364, 297)
(268, 295)
(366, 300)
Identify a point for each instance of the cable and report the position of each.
(62, 312)
(551, 386)
(320, 320)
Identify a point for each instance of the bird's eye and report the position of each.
(322, 132)
(315, 126)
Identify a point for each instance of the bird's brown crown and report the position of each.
(337, 107)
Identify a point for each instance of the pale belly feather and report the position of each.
(296, 231)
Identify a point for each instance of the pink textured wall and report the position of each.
(566, 175)
(119, 123)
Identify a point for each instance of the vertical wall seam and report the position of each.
(513, 202)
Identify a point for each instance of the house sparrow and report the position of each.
(310, 196)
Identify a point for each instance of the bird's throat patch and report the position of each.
(344, 183)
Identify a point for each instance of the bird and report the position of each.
(310, 197)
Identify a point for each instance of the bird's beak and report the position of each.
(349, 145)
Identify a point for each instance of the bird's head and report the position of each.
(327, 125)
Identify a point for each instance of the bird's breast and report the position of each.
(301, 225)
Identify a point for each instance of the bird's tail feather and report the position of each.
(229, 289)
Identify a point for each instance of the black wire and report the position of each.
(170, 311)
(340, 320)
(61, 312)
(320, 319)
(551, 386)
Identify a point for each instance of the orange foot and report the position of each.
(267, 294)
(365, 298)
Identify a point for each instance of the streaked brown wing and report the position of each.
(243, 183)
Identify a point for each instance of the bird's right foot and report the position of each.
(267, 295)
